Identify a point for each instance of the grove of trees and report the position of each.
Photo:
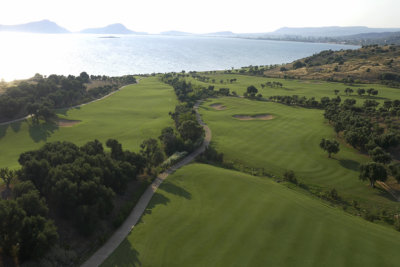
(39, 96)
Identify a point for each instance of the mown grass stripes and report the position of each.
(234, 219)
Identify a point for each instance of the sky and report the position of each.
(205, 16)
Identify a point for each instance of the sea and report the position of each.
(23, 55)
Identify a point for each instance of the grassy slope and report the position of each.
(290, 141)
(206, 216)
(306, 88)
(135, 113)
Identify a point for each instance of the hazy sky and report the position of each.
(203, 16)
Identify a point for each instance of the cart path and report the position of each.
(119, 235)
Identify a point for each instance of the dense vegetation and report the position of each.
(77, 183)
(39, 95)
(80, 183)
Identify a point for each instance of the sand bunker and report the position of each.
(67, 123)
(218, 106)
(263, 117)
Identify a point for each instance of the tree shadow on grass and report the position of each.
(350, 164)
(3, 130)
(16, 126)
(64, 111)
(157, 199)
(127, 256)
(40, 132)
(176, 190)
(383, 193)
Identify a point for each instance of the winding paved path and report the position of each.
(119, 235)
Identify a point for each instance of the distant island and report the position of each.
(43, 26)
(116, 28)
(355, 35)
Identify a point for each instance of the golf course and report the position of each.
(208, 216)
(241, 212)
(134, 113)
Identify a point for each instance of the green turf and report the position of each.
(306, 88)
(135, 113)
(206, 216)
(290, 141)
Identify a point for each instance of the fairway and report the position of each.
(290, 141)
(207, 216)
(131, 115)
(307, 88)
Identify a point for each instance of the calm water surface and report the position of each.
(23, 55)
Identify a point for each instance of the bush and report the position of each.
(289, 176)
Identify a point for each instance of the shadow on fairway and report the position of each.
(130, 255)
(3, 130)
(176, 190)
(16, 126)
(350, 164)
(40, 132)
(383, 193)
(157, 199)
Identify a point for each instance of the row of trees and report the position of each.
(39, 95)
(188, 133)
(303, 101)
(360, 91)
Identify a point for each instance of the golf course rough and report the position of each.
(208, 216)
(135, 113)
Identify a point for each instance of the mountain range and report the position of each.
(353, 34)
(43, 26)
(116, 28)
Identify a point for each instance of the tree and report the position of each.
(191, 130)
(298, 64)
(349, 102)
(360, 91)
(170, 141)
(329, 146)
(336, 91)
(379, 155)
(7, 176)
(11, 221)
(252, 91)
(348, 91)
(372, 91)
(373, 172)
(116, 149)
(84, 77)
(151, 151)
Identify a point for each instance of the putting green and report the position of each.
(131, 115)
(207, 216)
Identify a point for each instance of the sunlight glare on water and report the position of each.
(22, 55)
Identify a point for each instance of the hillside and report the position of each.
(333, 31)
(377, 64)
(116, 28)
(43, 26)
